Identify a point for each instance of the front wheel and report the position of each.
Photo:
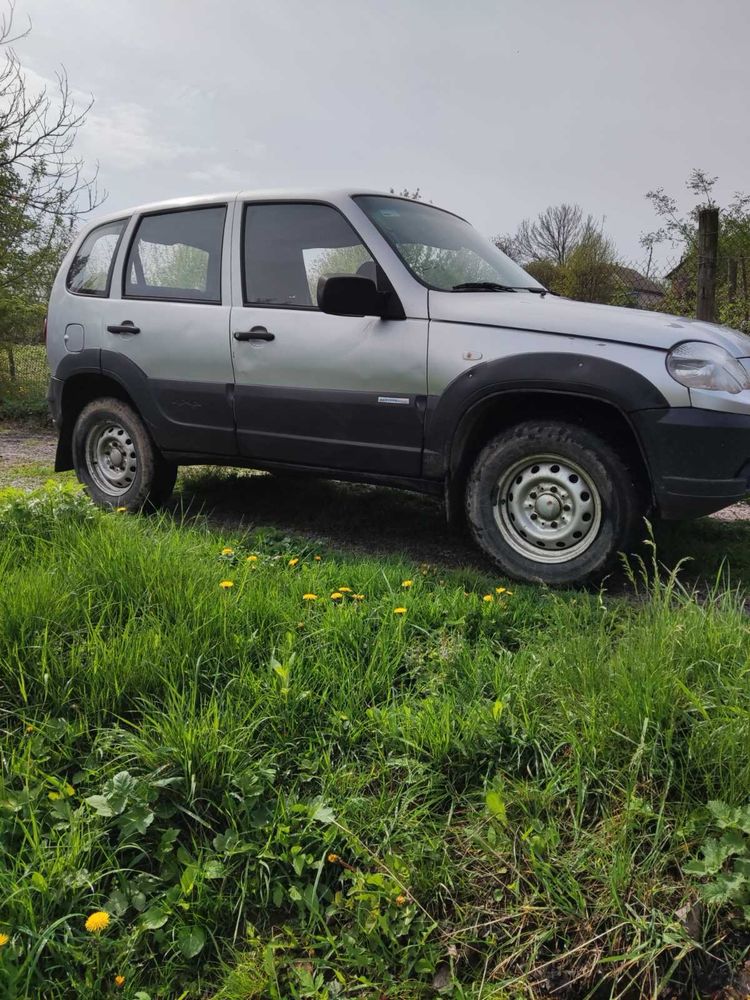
(552, 503)
(116, 459)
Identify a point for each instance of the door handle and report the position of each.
(256, 333)
(127, 326)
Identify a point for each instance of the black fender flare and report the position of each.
(576, 375)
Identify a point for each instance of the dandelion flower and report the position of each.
(358, 597)
(336, 595)
(500, 590)
(121, 510)
(119, 981)
(345, 590)
(407, 583)
(226, 584)
(488, 598)
(97, 922)
(333, 858)
(400, 900)
(317, 558)
(4, 939)
(53, 796)
(293, 562)
(399, 611)
(227, 552)
(251, 559)
(309, 597)
(29, 728)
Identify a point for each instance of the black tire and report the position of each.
(619, 505)
(145, 478)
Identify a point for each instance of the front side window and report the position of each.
(91, 269)
(177, 255)
(289, 247)
(440, 249)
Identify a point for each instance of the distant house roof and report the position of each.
(636, 281)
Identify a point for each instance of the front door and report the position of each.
(335, 392)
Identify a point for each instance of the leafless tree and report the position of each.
(553, 235)
(37, 134)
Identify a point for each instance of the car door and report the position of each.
(166, 328)
(338, 392)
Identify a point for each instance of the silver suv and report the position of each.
(378, 339)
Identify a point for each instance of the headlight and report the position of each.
(698, 365)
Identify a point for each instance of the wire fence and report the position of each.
(24, 374)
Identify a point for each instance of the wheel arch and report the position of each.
(78, 391)
(506, 408)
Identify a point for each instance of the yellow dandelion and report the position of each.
(53, 796)
(119, 981)
(29, 729)
(69, 790)
(227, 552)
(309, 597)
(345, 590)
(251, 559)
(97, 922)
(226, 584)
(317, 558)
(293, 562)
(400, 900)
(407, 583)
(488, 598)
(358, 597)
(333, 858)
(4, 939)
(399, 611)
(336, 595)
(121, 510)
(500, 590)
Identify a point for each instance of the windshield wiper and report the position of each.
(533, 289)
(481, 286)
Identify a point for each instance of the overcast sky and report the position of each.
(494, 109)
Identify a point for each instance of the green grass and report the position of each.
(280, 798)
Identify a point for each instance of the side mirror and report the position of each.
(350, 295)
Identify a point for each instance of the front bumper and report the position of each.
(699, 459)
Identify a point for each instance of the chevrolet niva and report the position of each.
(378, 339)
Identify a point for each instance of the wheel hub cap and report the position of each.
(111, 458)
(547, 508)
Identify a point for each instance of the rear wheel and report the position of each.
(116, 459)
(550, 502)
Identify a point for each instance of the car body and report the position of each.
(326, 332)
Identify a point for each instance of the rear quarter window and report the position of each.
(91, 270)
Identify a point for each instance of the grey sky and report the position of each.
(494, 109)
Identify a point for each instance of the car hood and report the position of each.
(553, 314)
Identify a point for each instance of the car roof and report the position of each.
(267, 194)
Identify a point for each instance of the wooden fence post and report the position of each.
(708, 251)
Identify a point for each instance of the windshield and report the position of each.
(440, 249)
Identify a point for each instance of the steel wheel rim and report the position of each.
(547, 508)
(111, 458)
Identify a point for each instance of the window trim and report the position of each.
(104, 293)
(288, 201)
(170, 298)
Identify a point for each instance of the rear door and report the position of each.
(166, 329)
(338, 392)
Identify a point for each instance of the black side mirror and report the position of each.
(350, 295)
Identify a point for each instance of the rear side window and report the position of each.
(289, 247)
(177, 255)
(91, 270)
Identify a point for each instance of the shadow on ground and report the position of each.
(382, 521)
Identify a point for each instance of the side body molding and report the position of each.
(561, 373)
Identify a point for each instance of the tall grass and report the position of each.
(279, 797)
